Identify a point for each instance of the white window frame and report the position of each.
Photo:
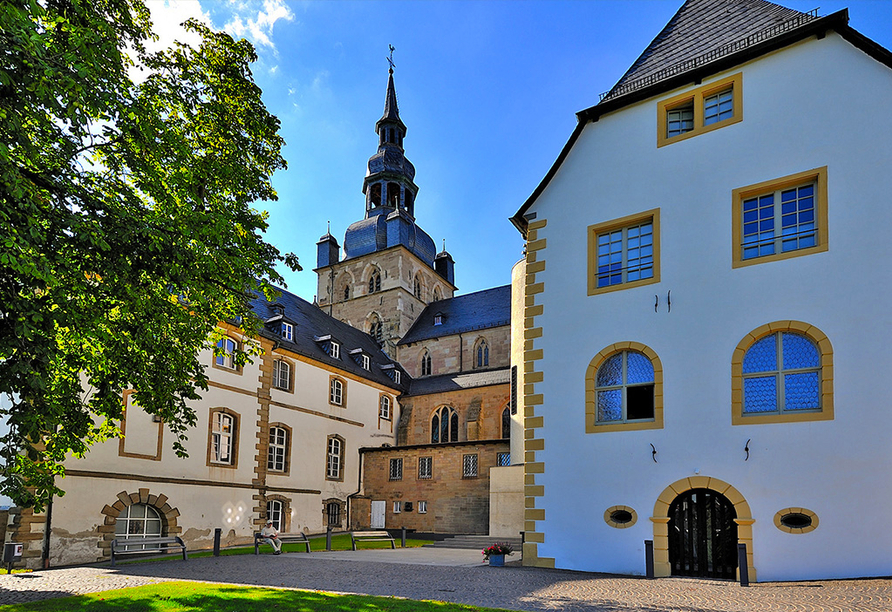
(223, 438)
(282, 375)
(333, 464)
(227, 359)
(277, 450)
(422, 507)
(287, 331)
(335, 350)
(384, 409)
(397, 507)
(336, 392)
(275, 513)
(396, 376)
(366, 362)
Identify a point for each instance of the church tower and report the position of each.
(390, 270)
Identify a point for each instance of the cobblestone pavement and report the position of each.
(512, 587)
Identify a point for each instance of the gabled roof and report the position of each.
(706, 37)
(469, 312)
(703, 28)
(311, 325)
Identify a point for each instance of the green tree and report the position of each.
(126, 226)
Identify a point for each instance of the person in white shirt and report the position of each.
(271, 536)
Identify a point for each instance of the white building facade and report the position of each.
(706, 296)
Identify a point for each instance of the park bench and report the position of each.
(140, 546)
(371, 536)
(283, 538)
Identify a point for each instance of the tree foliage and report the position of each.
(126, 226)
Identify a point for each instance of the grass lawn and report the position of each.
(198, 596)
(340, 541)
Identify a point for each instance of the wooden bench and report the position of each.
(140, 546)
(371, 536)
(283, 538)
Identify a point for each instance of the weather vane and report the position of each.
(390, 59)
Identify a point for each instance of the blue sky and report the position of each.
(487, 89)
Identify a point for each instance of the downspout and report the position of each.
(358, 489)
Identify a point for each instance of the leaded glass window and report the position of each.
(444, 426)
(624, 386)
(425, 364)
(626, 255)
(506, 423)
(469, 466)
(782, 373)
(374, 282)
(425, 468)
(503, 459)
(780, 221)
(396, 469)
(481, 354)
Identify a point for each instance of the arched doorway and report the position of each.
(703, 535)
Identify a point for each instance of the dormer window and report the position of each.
(396, 376)
(438, 319)
(288, 331)
(335, 350)
(366, 362)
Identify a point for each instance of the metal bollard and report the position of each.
(403, 537)
(742, 565)
(328, 538)
(217, 533)
(649, 558)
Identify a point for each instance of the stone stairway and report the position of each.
(478, 542)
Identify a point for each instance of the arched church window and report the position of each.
(417, 286)
(375, 282)
(425, 363)
(375, 195)
(437, 295)
(481, 354)
(444, 426)
(506, 422)
(376, 331)
(346, 292)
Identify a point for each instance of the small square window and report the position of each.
(438, 319)
(503, 459)
(397, 507)
(700, 110)
(422, 507)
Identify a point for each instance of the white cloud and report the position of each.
(257, 25)
(167, 19)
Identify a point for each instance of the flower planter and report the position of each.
(497, 560)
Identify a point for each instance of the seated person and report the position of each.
(271, 536)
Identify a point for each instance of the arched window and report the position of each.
(375, 282)
(375, 192)
(333, 513)
(417, 286)
(336, 391)
(393, 195)
(481, 354)
(425, 363)
(277, 454)
(346, 292)
(784, 375)
(624, 389)
(444, 426)
(282, 375)
(437, 295)
(384, 410)
(334, 462)
(376, 331)
(138, 521)
(225, 357)
(506, 422)
(274, 513)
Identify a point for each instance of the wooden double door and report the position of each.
(703, 535)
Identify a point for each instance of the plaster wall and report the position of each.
(803, 107)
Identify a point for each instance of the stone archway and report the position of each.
(660, 519)
(168, 515)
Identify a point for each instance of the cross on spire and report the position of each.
(390, 59)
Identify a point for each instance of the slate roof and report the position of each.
(472, 311)
(705, 28)
(310, 323)
(457, 382)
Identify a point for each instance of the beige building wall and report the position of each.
(506, 501)
(453, 354)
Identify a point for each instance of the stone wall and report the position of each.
(479, 413)
(453, 354)
(455, 504)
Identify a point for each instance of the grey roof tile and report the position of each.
(472, 311)
(457, 382)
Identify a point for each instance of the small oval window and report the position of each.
(796, 520)
(621, 516)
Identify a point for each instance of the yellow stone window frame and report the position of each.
(652, 216)
(608, 517)
(817, 176)
(824, 348)
(782, 513)
(591, 401)
(696, 98)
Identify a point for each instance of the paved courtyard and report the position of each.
(458, 576)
